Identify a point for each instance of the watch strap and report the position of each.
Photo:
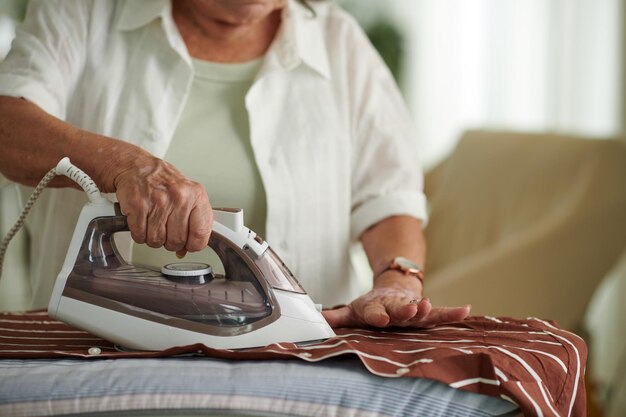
(402, 265)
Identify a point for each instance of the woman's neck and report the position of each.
(225, 37)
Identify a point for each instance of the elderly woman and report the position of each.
(276, 106)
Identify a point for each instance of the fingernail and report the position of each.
(179, 256)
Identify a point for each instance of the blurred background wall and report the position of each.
(547, 66)
(542, 65)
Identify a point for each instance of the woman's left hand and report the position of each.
(393, 304)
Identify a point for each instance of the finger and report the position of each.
(137, 222)
(177, 229)
(439, 315)
(137, 219)
(156, 230)
(339, 317)
(374, 314)
(402, 311)
(182, 198)
(424, 309)
(200, 222)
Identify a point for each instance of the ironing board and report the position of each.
(481, 366)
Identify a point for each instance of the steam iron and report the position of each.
(256, 302)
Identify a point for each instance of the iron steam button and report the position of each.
(232, 218)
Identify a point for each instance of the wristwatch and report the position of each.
(406, 266)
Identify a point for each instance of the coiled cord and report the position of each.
(66, 168)
(20, 221)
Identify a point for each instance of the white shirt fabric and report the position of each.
(332, 138)
(211, 144)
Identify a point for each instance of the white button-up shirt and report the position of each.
(331, 136)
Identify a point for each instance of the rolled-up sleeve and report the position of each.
(387, 178)
(47, 55)
(381, 207)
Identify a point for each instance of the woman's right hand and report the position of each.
(163, 207)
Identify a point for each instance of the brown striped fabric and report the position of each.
(531, 362)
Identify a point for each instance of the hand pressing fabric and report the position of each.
(396, 298)
(394, 301)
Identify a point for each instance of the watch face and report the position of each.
(408, 267)
(407, 264)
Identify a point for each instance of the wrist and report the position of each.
(392, 278)
(130, 159)
(405, 266)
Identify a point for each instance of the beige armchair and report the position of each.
(525, 224)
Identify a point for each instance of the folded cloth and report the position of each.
(531, 362)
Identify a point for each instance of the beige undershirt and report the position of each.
(211, 145)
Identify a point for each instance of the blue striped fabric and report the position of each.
(337, 387)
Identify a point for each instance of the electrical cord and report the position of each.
(66, 168)
(20, 221)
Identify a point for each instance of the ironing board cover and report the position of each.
(531, 362)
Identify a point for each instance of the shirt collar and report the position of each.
(300, 39)
(135, 14)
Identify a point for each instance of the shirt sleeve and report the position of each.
(387, 178)
(47, 55)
